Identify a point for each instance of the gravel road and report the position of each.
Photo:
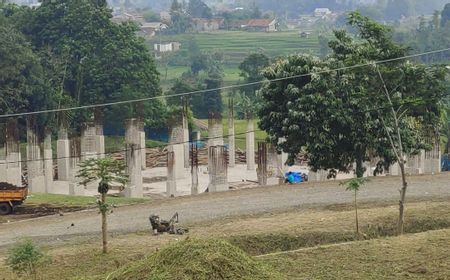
(210, 206)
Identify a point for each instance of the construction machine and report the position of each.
(160, 226)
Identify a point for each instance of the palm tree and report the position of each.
(108, 172)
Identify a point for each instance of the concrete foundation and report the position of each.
(99, 141)
(218, 169)
(250, 145)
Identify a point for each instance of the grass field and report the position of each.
(235, 46)
(302, 244)
(70, 200)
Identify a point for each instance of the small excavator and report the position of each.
(161, 226)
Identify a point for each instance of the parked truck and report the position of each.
(10, 197)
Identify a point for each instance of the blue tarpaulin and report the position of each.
(294, 177)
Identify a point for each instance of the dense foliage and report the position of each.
(82, 58)
(336, 116)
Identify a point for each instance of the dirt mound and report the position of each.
(199, 260)
(7, 186)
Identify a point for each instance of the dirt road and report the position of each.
(210, 206)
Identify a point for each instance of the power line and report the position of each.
(221, 88)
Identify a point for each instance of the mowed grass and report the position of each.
(416, 256)
(413, 256)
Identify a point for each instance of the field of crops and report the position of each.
(236, 45)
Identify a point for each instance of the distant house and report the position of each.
(166, 48)
(207, 25)
(149, 29)
(322, 12)
(262, 25)
(124, 17)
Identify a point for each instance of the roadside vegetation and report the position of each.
(315, 232)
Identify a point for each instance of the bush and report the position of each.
(25, 259)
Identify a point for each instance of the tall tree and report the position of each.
(77, 41)
(445, 15)
(338, 117)
(198, 9)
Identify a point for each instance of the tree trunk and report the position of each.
(402, 199)
(104, 224)
(356, 212)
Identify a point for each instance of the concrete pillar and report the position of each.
(215, 130)
(177, 146)
(281, 163)
(35, 175)
(63, 155)
(134, 159)
(231, 135)
(89, 141)
(218, 169)
(48, 163)
(185, 139)
(273, 177)
(75, 157)
(394, 169)
(99, 141)
(262, 169)
(3, 175)
(142, 146)
(250, 145)
(194, 168)
(13, 157)
(171, 184)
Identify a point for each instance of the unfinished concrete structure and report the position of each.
(268, 165)
(250, 144)
(13, 157)
(75, 157)
(142, 144)
(171, 184)
(35, 174)
(63, 154)
(89, 141)
(185, 109)
(133, 159)
(194, 168)
(176, 146)
(215, 129)
(218, 169)
(48, 162)
(231, 134)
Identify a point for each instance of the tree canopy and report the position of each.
(336, 116)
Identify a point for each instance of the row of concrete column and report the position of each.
(70, 151)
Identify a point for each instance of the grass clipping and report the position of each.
(196, 259)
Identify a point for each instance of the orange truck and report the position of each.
(10, 197)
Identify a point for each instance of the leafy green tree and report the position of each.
(337, 117)
(26, 259)
(76, 41)
(107, 172)
(354, 185)
(251, 70)
(445, 15)
(151, 16)
(198, 9)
